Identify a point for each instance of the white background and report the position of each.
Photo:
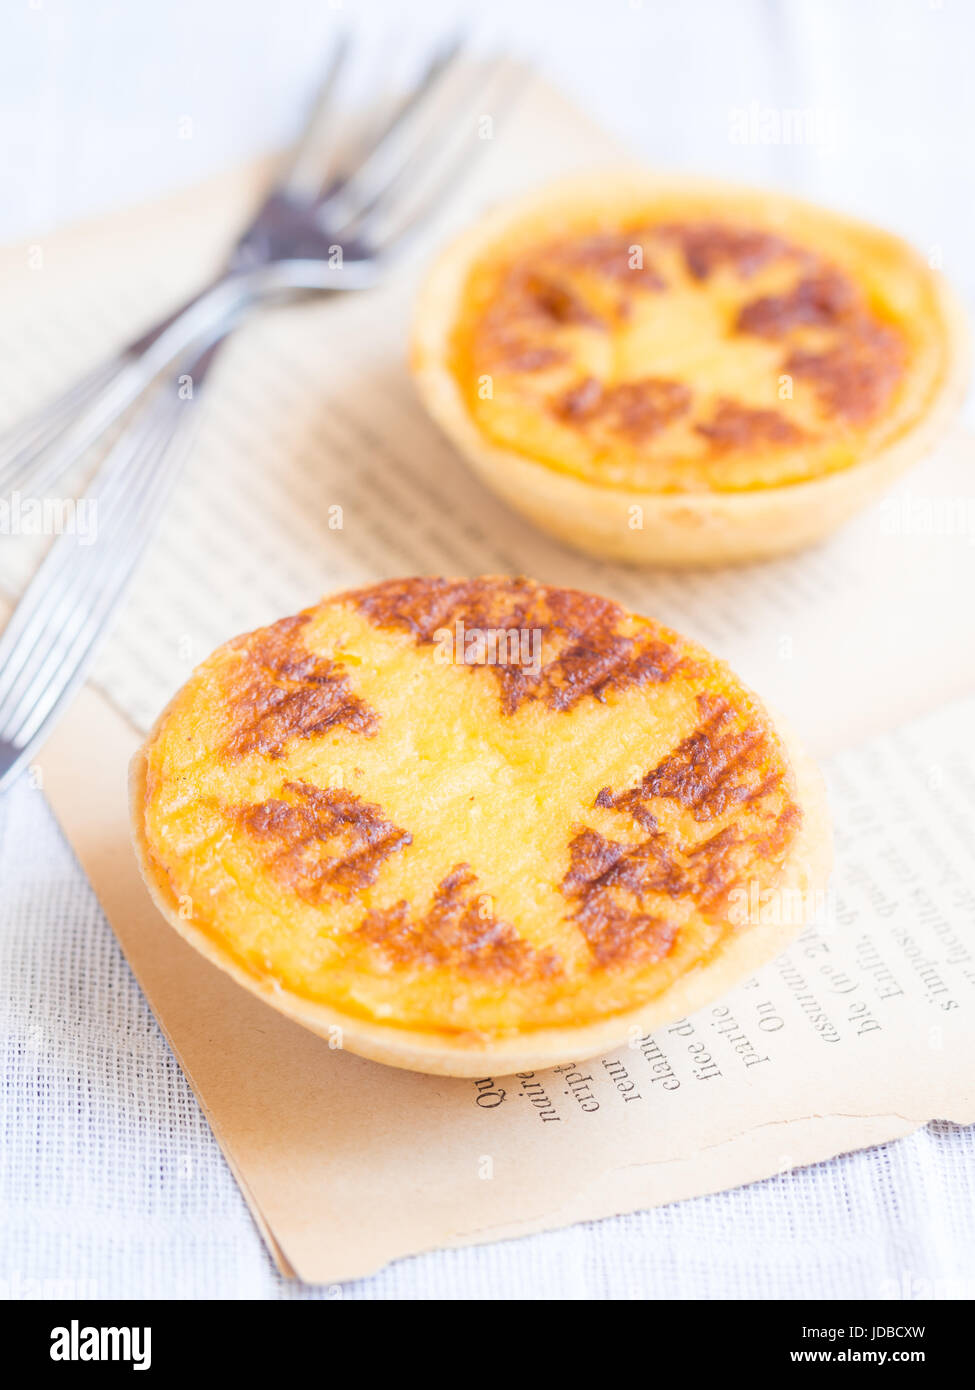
(94, 95)
(118, 1185)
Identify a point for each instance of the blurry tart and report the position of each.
(468, 865)
(685, 372)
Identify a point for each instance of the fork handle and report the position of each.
(42, 448)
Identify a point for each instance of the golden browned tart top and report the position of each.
(473, 807)
(685, 349)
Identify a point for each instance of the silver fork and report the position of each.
(302, 239)
(323, 219)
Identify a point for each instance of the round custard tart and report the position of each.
(685, 372)
(477, 826)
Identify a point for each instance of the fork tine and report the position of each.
(305, 168)
(403, 171)
(371, 168)
(382, 133)
(435, 164)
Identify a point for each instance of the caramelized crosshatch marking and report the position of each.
(323, 842)
(459, 931)
(819, 301)
(708, 246)
(539, 297)
(283, 692)
(557, 301)
(635, 409)
(582, 400)
(625, 897)
(858, 375)
(723, 763)
(663, 379)
(520, 356)
(608, 883)
(584, 653)
(734, 426)
(612, 256)
(516, 334)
